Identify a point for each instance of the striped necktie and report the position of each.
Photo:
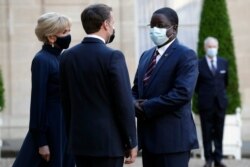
(150, 68)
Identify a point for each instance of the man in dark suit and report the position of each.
(212, 101)
(163, 87)
(96, 96)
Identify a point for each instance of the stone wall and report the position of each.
(18, 43)
(239, 14)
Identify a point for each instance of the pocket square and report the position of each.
(222, 71)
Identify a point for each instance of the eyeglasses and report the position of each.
(160, 26)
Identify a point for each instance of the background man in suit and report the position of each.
(212, 100)
(163, 87)
(96, 95)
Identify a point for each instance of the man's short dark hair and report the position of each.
(93, 16)
(170, 14)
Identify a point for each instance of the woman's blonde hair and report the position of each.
(50, 24)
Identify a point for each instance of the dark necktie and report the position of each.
(213, 69)
(150, 68)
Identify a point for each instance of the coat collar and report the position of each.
(53, 50)
(92, 40)
(163, 49)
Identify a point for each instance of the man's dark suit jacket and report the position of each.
(169, 127)
(211, 86)
(97, 100)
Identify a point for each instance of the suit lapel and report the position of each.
(207, 67)
(145, 63)
(219, 66)
(162, 60)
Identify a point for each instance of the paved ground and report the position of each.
(194, 162)
(11, 147)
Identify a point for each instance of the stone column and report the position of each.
(19, 45)
(239, 14)
(128, 34)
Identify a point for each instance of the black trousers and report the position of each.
(180, 159)
(90, 161)
(212, 125)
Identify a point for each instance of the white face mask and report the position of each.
(159, 35)
(212, 52)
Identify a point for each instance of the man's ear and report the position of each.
(105, 25)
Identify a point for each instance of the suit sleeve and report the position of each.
(38, 114)
(198, 80)
(135, 87)
(64, 92)
(123, 101)
(135, 92)
(182, 89)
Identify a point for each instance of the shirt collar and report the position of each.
(209, 59)
(163, 49)
(95, 36)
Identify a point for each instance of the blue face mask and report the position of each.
(212, 52)
(159, 35)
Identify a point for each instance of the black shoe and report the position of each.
(208, 164)
(220, 164)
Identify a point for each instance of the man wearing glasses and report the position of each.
(163, 87)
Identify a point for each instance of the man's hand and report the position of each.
(44, 152)
(131, 155)
(138, 103)
(139, 113)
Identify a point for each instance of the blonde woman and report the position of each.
(45, 143)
